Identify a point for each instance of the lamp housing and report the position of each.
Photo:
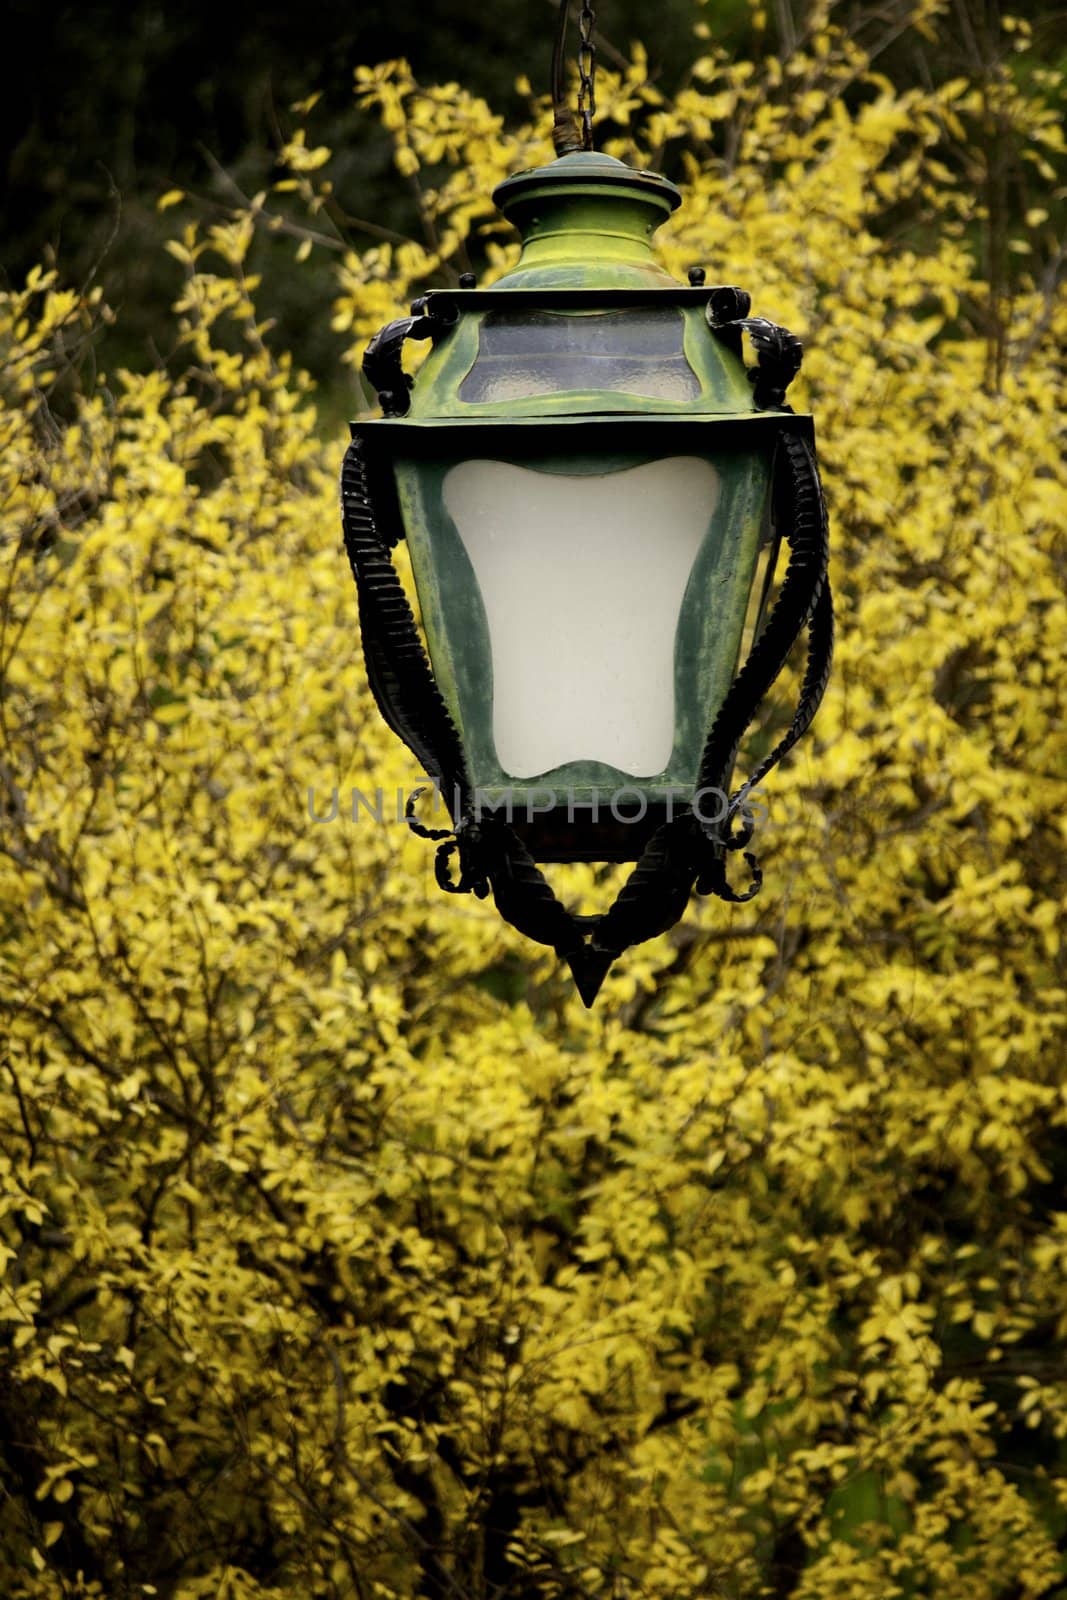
(593, 489)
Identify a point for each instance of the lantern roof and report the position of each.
(586, 218)
(588, 172)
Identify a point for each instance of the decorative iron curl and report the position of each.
(779, 353)
(382, 365)
(418, 827)
(467, 843)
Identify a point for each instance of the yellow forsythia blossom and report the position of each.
(343, 1254)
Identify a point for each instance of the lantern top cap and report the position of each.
(589, 172)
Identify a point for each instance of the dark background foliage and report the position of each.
(108, 105)
(126, 99)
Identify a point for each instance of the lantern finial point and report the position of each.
(589, 968)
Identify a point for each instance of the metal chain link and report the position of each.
(587, 74)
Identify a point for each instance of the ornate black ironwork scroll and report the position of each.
(778, 352)
(381, 362)
(400, 677)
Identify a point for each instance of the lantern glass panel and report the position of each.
(523, 354)
(583, 611)
(582, 579)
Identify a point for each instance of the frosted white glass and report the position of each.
(582, 578)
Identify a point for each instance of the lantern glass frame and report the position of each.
(409, 461)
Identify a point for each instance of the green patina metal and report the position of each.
(557, 325)
(586, 222)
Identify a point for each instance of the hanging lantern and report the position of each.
(593, 490)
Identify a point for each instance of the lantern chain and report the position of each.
(586, 74)
(565, 133)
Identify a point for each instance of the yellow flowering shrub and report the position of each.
(344, 1254)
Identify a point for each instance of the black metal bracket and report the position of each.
(778, 352)
(382, 364)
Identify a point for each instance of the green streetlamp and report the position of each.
(593, 490)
